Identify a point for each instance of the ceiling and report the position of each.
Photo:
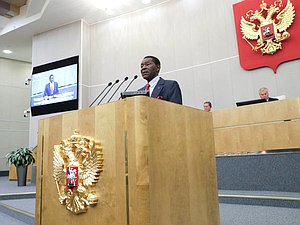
(27, 18)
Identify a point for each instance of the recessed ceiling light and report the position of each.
(146, 2)
(6, 51)
(109, 11)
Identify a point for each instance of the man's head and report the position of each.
(207, 106)
(150, 67)
(51, 78)
(264, 93)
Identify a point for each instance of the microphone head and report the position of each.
(110, 83)
(135, 76)
(117, 81)
(126, 78)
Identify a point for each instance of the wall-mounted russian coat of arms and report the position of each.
(77, 164)
(266, 32)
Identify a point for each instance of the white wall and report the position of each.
(62, 42)
(14, 100)
(194, 39)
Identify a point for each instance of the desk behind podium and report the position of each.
(259, 127)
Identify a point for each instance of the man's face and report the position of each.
(51, 79)
(149, 69)
(264, 94)
(206, 107)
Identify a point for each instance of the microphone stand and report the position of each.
(135, 76)
(110, 83)
(117, 81)
(126, 78)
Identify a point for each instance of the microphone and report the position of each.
(135, 76)
(126, 78)
(110, 83)
(117, 81)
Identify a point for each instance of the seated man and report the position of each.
(264, 94)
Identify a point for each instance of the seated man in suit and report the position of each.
(264, 94)
(159, 88)
(51, 88)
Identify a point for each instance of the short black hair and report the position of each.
(209, 103)
(154, 59)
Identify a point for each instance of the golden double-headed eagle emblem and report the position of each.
(77, 164)
(268, 26)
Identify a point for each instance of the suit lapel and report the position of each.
(158, 88)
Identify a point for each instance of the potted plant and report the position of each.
(21, 158)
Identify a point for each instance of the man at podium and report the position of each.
(51, 88)
(159, 88)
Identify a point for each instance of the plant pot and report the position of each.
(22, 174)
(33, 175)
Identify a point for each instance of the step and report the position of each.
(260, 198)
(26, 217)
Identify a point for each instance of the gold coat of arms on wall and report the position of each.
(77, 164)
(268, 26)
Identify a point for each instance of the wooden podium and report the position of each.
(159, 165)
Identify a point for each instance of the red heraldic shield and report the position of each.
(72, 177)
(289, 48)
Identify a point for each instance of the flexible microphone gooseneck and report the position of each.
(126, 78)
(117, 81)
(110, 83)
(135, 76)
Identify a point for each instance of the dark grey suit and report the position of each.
(168, 90)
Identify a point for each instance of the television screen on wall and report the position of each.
(54, 87)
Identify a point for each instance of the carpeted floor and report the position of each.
(230, 214)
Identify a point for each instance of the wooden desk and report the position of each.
(265, 126)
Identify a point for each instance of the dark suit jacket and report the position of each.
(168, 90)
(47, 91)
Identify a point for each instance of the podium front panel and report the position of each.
(159, 165)
(105, 124)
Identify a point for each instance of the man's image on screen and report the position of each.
(51, 88)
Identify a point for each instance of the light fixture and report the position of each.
(27, 81)
(26, 112)
(146, 2)
(105, 4)
(6, 51)
(109, 11)
(109, 6)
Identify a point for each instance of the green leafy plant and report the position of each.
(21, 157)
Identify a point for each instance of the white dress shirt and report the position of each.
(153, 83)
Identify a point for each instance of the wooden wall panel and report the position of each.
(259, 113)
(260, 127)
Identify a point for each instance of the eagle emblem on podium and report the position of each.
(268, 26)
(77, 165)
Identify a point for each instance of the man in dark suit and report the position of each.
(51, 88)
(264, 94)
(159, 88)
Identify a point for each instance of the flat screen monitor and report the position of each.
(250, 102)
(54, 87)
